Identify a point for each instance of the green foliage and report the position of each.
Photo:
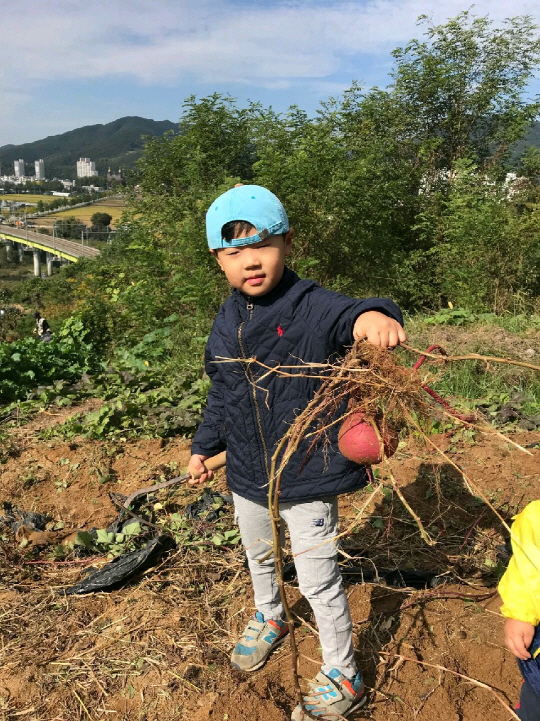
(217, 532)
(456, 316)
(487, 241)
(349, 189)
(117, 543)
(101, 219)
(9, 319)
(158, 264)
(144, 391)
(398, 191)
(134, 535)
(135, 410)
(144, 395)
(460, 92)
(386, 189)
(70, 228)
(29, 363)
(472, 380)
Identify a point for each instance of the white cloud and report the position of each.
(210, 40)
(166, 42)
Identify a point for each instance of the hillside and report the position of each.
(116, 144)
(532, 138)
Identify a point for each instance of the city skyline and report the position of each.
(85, 167)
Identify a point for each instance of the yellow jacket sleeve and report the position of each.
(520, 586)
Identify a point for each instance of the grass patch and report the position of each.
(516, 337)
(473, 381)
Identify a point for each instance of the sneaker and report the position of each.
(332, 696)
(257, 642)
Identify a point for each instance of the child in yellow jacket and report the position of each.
(520, 591)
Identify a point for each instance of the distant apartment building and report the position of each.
(85, 168)
(19, 168)
(40, 169)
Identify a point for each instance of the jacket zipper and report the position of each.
(251, 378)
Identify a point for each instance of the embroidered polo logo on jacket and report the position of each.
(279, 331)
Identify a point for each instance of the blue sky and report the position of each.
(69, 63)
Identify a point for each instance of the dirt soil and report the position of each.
(158, 648)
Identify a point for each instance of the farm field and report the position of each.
(24, 198)
(27, 197)
(158, 648)
(113, 207)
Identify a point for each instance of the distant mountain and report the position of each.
(116, 145)
(532, 137)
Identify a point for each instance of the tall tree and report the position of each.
(461, 92)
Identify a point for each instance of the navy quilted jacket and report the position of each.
(249, 409)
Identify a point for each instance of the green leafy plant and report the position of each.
(168, 409)
(117, 543)
(30, 363)
(451, 316)
(227, 538)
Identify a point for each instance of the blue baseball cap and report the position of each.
(251, 203)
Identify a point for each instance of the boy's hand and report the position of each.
(197, 470)
(518, 636)
(378, 329)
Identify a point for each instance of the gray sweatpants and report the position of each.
(310, 525)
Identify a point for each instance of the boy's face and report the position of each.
(255, 269)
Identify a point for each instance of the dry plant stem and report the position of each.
(455, 673)
(274, 487)
(425, 535)
(373, 382)
(475, 488)
(473, 485)
(82, 704)
(471, 356)
(290, 441)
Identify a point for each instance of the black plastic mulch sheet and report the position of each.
(396, 578)
(123, 568)
(15, 518)
(210, 505)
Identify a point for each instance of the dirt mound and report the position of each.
(159, 647)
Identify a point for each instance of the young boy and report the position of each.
(520, 591)
(274, 316)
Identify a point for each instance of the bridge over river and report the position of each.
(22, 239)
